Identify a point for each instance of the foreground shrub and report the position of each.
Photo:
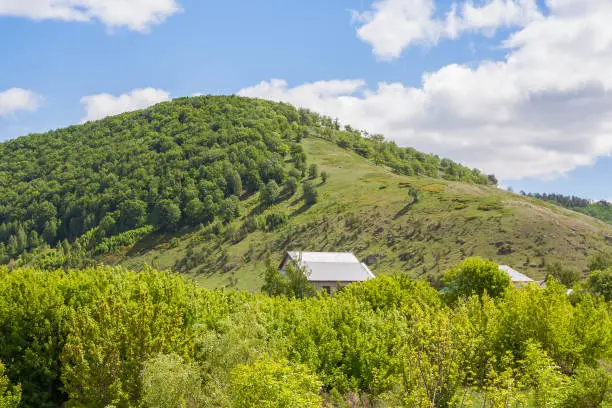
(275, 384)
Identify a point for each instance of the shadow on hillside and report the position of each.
(404, 210)
(147, 243)
(300, 210)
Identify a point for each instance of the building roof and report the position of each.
(515, 276)
(331, 266)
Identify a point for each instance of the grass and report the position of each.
(367, 210)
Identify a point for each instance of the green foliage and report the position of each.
(102, 336)
(292, 282)
(542, 375)
(324, 176)
(166, 214)
(275, 220)
(170, 382)
(600, 261)
(170, 166)
(275, 384)
(311, 195)
(269, 192)
(475, 276)
(414, 194)
(589, 388)
(291, 185)
(10, 395)
(566, 275)
(600, 282)
(600, 209)
(313, 171)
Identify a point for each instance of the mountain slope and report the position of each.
(368, 210)
(598, 209)
(179, 186)
(93, 188)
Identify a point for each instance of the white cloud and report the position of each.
(102, 105)
(393, 25)
(17, 99)
(137, 15)
(541, 112)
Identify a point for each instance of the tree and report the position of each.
(414, 194)
(311, 195)
(43, 212)
(324, 176)
(542, 375)
(166, 215)
(291, 185)
(107, 225)
(475, 276)
(565, 275)
(194, 212)
(274, 384)
(600, 282)
(50, 231)
(313, 171)
(274, 283)
(170, 382)
(589, 388)
(132, 214)
(292, 282)
(269, 192)
(600, 261)
(229, 209)
(236, 184)
(10, 395)
(298, 286)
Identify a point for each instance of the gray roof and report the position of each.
(332, 266)
(515, 276)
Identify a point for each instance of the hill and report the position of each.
(598, 209)
(367, 209)
(180, 186)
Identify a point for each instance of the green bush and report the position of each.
(274, 384)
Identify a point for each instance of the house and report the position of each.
(517, 278)
(329, 271)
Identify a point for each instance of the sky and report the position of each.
(518, 88)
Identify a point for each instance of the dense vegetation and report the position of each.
(597, 209)
(102, 337)
(94, 188)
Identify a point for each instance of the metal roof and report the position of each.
(515, 276)
(332, 266)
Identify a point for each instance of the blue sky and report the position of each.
(464, 110)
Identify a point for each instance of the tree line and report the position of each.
(597, 209)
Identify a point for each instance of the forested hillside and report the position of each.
(108, 337)
(94, 188)
(599, 209)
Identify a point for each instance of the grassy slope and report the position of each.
(366, 209)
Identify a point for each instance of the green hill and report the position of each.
(598, 209)
(178, 186)
(368, 210)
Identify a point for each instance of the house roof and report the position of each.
(331, 266)
(515, 276)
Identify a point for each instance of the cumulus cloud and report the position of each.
(17, 99)
(393, 25)
(542, 111)
(137, 15)
(102, 105)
